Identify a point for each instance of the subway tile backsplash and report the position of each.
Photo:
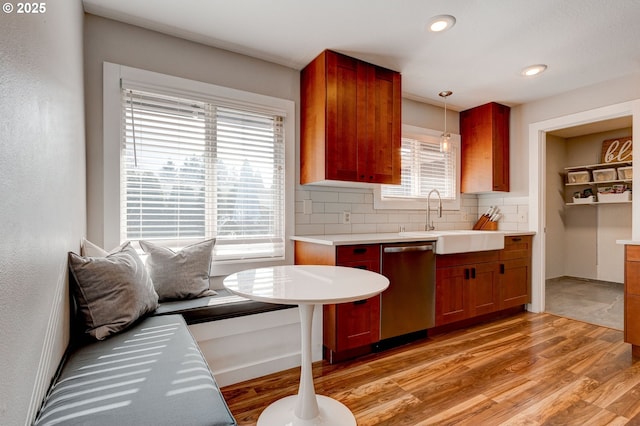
(326, 214)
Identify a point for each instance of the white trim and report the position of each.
(537, 184)
(420, 204)
(113, 74)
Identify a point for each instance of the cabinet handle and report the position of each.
(466, 273)
(361, 267)
(502, 268)
(360, 302)
(473, 273)
(360, 250)
(516, 239)
(426, 247)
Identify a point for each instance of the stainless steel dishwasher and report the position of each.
(408, 304)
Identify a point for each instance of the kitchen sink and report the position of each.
(461, 241)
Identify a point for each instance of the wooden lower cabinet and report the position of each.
(632, 298)
(348, 329)
(514, 284)
(473, 284)
(464, 288)
(468, 285)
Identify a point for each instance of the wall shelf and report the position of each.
(599, 166)
(597, 183)
(598, 203)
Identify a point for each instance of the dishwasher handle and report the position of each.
(405, 249)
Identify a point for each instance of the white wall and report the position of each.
(581, 240)
(555, 209)
(42, 188)
(597, 102)
(593, 231)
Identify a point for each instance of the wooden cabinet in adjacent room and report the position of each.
(484, 132)
(350, 121)
(514, 285)
(348, 329)
(632, 298)
(466, 285)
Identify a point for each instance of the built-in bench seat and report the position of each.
(223, 305)
(151, 374)
(132, 361)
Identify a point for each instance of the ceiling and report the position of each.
(480, 59)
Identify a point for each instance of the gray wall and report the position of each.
(111, 41)
(42, 188)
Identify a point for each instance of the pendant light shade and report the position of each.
(445, 138)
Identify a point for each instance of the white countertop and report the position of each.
(628, 242)
(388, 237)
(306, 284)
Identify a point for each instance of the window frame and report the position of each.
(409, 131)
(114, 74)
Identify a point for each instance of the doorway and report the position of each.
(537, 183)
(584, 265)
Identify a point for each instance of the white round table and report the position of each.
(306, 286)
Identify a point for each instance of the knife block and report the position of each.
(490, 226)
(485, 224)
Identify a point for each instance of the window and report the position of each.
(424, 168)
(195, 166)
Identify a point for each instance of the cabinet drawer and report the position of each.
(516, 247)
(358, 253)
(449, 260)
(632, 253)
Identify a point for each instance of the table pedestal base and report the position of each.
(281, 413)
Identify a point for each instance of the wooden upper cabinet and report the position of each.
(484, 131)
(350, 121)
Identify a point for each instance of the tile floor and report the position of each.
(592, 301)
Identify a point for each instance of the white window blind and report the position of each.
(192, 170)
(424, 168)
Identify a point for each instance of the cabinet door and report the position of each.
(358, 323)
(379, 136)
(451, 294)
(515, 282)
(632, 297)
(485, 148)
(343, 116)
(483, 288)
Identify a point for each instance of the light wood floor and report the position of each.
(529, 369)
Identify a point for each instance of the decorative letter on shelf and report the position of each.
(617, 150)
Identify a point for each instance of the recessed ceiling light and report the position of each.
(533, 70)
(441, 22)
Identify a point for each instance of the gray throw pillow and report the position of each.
(112, 292)
(181, 275)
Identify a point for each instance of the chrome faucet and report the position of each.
(429, 226)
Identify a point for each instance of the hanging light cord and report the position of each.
(445, 94)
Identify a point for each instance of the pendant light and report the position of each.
(445, 138)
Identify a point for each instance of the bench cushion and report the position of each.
(221, 306)
(151, 374)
